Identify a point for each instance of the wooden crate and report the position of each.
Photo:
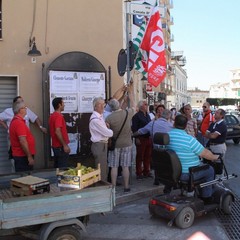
(29, 185)
(80, 181)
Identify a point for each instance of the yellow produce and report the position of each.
(74, 171)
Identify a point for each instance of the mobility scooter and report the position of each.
(183, 203)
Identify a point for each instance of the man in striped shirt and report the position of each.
(188, 150)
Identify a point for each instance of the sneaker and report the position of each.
(127, 190)
(140, 177)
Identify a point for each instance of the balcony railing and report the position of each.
(168, 48)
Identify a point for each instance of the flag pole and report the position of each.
(127, 43)
(127, 47)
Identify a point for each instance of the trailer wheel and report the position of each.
(185, 218)
(227, 204)
(66, 232)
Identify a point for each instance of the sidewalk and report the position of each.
(139, 189)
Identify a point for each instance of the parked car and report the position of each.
(233, 128)
(233, 112)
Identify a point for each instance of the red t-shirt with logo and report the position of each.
(57, 120)
(17, 129)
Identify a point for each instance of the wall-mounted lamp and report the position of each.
(33, 52)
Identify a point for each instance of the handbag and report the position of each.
(111, 143)
(112, 140)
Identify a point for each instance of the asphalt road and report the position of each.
(232, 163)
(133, 221)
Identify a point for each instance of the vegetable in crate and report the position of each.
(74, 171)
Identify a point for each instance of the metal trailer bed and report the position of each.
(53, 210)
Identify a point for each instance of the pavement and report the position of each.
(138, 189)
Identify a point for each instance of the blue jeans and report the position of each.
(60, 158)
(205, 175)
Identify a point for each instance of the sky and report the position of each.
(208, 33)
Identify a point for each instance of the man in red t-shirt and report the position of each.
(22, 141)
(59, 135)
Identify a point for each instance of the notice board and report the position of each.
(78, 89)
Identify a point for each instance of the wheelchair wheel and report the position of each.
(185, 218)
(227, 204)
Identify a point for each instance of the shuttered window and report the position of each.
(0, 19)
(8, 90)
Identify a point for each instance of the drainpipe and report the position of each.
(109, 81)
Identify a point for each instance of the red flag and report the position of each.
(153, 44)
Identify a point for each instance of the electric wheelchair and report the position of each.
(183, 203)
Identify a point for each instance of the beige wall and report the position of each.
(91, 26)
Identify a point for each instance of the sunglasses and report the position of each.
(204, 106)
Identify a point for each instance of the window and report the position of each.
(0, 19)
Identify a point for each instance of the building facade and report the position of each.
(229, 89)
(97, 28)
(178, 96)
(197, 97)
(58, 27)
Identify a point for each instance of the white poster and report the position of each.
(70, 101)
(63, 81)
(92, 82)
(78, 89)
(86, 100)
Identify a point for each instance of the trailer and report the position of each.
(58, 214)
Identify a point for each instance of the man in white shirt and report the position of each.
(99, 136)
(7, 116)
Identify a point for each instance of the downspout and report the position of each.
(109, 81)
(45, 121)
